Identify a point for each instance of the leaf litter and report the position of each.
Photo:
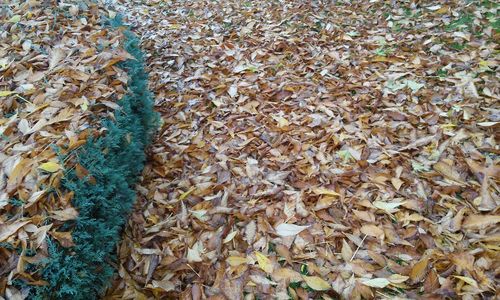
(335, 149)
(308, 149)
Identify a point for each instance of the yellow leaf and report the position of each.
(323, 191)
(468, 280)
(184, 195)
(379, 58)
(264, 262)
(235, 261)
(316, 283)
(6, 93)
(442, 10)
(50, 167)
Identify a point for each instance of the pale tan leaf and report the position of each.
(287, 275)
(346, 251)
(468, 280)
(6, 230)
(64, 215)
(324, 191)
(230, 237)
(316, 283)
(372, 230)
(289, 229)
(480, 221)
(397, 278)
(235, 261)
(376, 282)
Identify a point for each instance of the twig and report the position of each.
(193, 270)
(357, 249)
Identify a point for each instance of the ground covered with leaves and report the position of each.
(317, 150)
(307, 150)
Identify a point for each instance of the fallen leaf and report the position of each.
(397, 278)
(56, 56)
(50, 167)
(282, 122)
(316, 283)
(289, 229)
(235, 261)
(165, 285)
(372, 230)
(287, 275)
(468, 280)
(6, 230)
(258, 279)
(15, 19)
(419, 270)
(233, 91)
(194, 253)
(390, 207)
(323, 191)
(376, 282)
(447, 171)
(397, 183)
(64, 238)
(480, 221)
(230, 237)
(264, 263)
(64, 215)
(346, 251)
(6, 93)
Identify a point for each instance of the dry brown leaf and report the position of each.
(6, 230)
(64, 238)
(447, 171)
(316, 283)
(476, 222)
(419, 270)
(373, 230)
(346, 251)
(287, 275)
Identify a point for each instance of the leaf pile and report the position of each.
(318, 149)
(59, 79)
